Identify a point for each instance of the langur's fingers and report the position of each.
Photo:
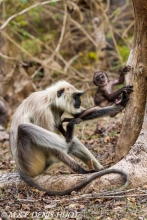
(66, 120)
(78, 120)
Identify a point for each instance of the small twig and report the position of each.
(119, 10)
(6, 57)
(24, 11)
(71, 61)
(113, 197)
(128, 28)
(108, 6)
(114, 192)
(84, 31)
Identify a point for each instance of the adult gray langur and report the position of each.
(35, 134)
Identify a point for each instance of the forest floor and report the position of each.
(100, 137)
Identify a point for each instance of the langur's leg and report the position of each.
(78, 150)
(45, 143)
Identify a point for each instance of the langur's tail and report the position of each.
(53, 142)
(79, 186)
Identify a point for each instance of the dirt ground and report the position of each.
(100, 137)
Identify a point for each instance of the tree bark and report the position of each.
(61, 182)
(133, 118)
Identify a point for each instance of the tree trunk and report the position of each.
(133, 118)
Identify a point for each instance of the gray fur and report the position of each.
(35, 140)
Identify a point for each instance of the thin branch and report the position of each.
(114, 194)
(25, 10)
(58, 45)
(21, 48)
(79, 26)
(113, 38)
(32, 57)
(61, 35)
(114, 197)
(108, 6)
(71, 61)
(42, 43)
(6, 57)
(84, 31)
(128, 28)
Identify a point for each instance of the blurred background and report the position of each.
(45, 42)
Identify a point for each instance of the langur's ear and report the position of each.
(94, 83)
(60, 92)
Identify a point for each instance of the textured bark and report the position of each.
(135, 162)
(61, 182)
(133, 118)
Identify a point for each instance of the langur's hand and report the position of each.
(125, 96)
(127, 89)
(66, 120)
(76, 121)
(126, 69)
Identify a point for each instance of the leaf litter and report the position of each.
(100, 137)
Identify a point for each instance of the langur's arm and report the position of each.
(121, 78)
(62, 130)
(107, 111)
(116, 94)
(70, 129)
(97, 112)
(69, 133)
(87, 111)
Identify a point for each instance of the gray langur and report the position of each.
(35, 140)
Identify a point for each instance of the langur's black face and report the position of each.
(77, 100)
(100, 79)
(69, 100)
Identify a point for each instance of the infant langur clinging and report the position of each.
(35, 140)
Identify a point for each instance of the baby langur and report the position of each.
(35, 140)
(104, 95)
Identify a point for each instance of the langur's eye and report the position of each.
(98, 78)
